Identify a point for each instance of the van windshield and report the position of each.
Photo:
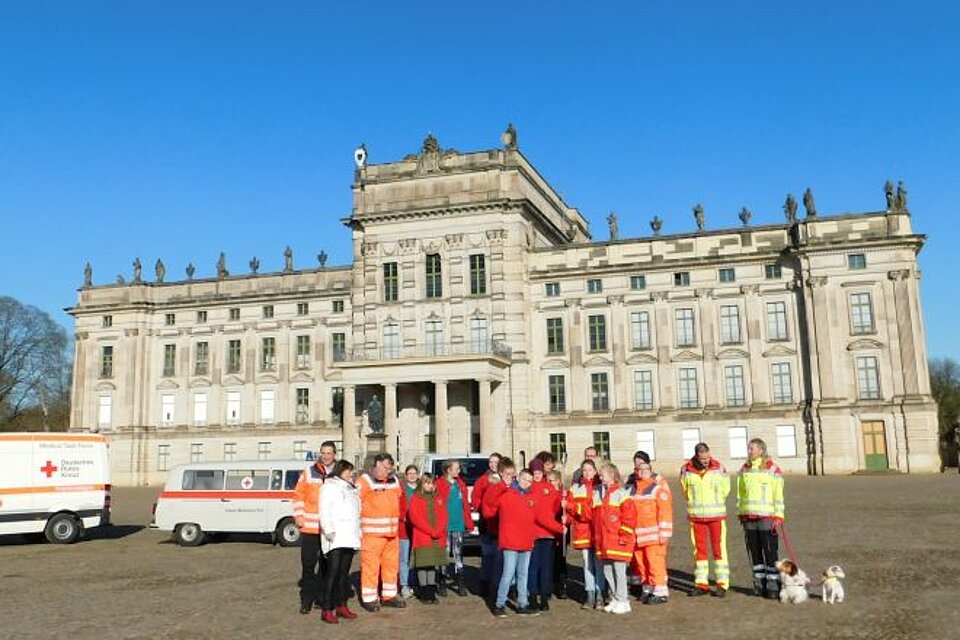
(470, 468)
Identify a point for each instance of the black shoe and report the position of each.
(699, 591)
(533, 603)
(461, 586)
(441, 586)
(499, 612)
(484, 588)
(720, 593)
(528, 611)
(656, 600)
(370, 607)
(545, 603)
(561, 591)
(305, 609)
(773, 595)
(394, 603)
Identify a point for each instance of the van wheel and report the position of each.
(189, 534)
(62, 528)
(287, 533)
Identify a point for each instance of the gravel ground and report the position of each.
(896, 537)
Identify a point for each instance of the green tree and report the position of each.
(945, 385)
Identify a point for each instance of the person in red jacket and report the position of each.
(453, 489)
(614, 520)
(541, 559)
(579, 510)
(555, 478)
(488, 543)
(427, 515)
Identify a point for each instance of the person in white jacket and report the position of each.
(340, 524)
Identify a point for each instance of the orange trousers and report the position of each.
(650, 565)
(379, 565)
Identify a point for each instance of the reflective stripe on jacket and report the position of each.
(580, 512)
(381, 504)
(705, 491)
(306, 498)
(654, 505)
(760, 490)
(614, 519)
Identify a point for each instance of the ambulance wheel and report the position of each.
(189, 534)
(62, 528)
(287, 533)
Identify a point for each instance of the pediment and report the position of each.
(232, 381)
(554, 364)
(864, 344)
(167, 384)
(732, 354)
(598, 361)
(200, 382)
(642, 358)
(779, 351)
(105, 385)
(268, 378)
(687, 356)
(301, 376)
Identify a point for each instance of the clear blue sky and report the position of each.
(182, 129)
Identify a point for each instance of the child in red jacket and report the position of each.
(614, 521)
(555, 478)
(428, 518)
(580, 515)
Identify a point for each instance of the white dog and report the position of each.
(793, 582)
(831, 585)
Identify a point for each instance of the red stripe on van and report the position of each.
(226, 495)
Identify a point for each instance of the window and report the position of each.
(434, 276)
(303, 352)
(730, 324)
(558, 394)
(338, 342)
(598, 333)
(727, 274)
(478, 274)
(233, 408)
(201, 317)
(263, 451)
(303, 308)
(167, 406)
(267, 401)
(229, 451)
(868, 378)
(689, 392)
(201, 479)
(268, 311)
(776, 321)
(738, 442)
(558, 445)
(553, 289)
(772, 271)
(391, 341)
(857, 261)
(861, 313)
(786, 441)
(601, 442)
(107, 322)
(391, 282)
(434, 337)
(169, 359)
(683, 321)
(106, 362)
(640, 330)
(163, 457)
(268, 354)
(595, 286)
(681, 279)
(299, 451)
(479, 337)
(170, 319)
(643, 390)
(554, 336)
(233, 356)
(234, 314)
(638, 283)
(599, 393)
(303, 406)
(782, 383)
(202, 365)
(338, 306)
(646, 441)
(689, 438)
(200, 409)
(733, 383)
(105, 412)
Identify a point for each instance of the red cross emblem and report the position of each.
(49, 469)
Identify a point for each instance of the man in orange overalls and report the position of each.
(381, 507)
(654, 507)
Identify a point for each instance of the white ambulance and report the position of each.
(57, 484)
(241, 496)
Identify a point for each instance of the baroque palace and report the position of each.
(479, 315)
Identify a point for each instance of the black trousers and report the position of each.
(311, 569)
(763, 547)
(336, 579)
(540, 574)
(559, 563)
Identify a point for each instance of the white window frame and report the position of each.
(433, 337)
(730, 324)
(776, 381)
(868, 388)
(163, 457)
(229, 451)
(268, 406)
(391, 340)
(640, 330)
(479, 335)
(643, 390)
(234, 405)
(737, 439)
(647, 441)
(196, 452)
(685, 326)
(861, 314)
(684, 380)
(263, 450)
(689, 439)
(200, 409)
(786, 441)
(735, 395)
(777, 330)
(105, 412)
(168, 409)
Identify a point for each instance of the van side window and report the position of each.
(276, 480)
(291, 479)
(202, 480)
(248, 479)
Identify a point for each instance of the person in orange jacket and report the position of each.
(382, 506)
(614, 521)
(306, 513)
(654, 528)
(579, 510)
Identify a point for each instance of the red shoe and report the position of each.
(329, 616)
(344, 612)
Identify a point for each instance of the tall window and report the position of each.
(434, 276)
(733, 383)
(643, 390)
(727, 275)
(646, 441)
(268, 354)
(303, 406)
(782, 383)
(268, 311)
(107, 322)
(638, 283)
(786, 441)
(479, 336)
(106, 362)
(169, 360)
(303, 352)
(730, 324)
(688, 441)
(772, 271)
(168, 403)
(303, 308)
(200, 409)
(601, 442)
(391, 282)
(233, 408)
(558, 394)
(640, 330)
(478, 274)
(558, 445)
(868, 378)
(683, 321)
(163, 457)
(202, 365)
(681, 279)
(554, 336)
(552, 289)
(233, 356)
(861, 313)
(234, 314)
(689, 392)
(595, 286)
(391, 340)
(338, 342)
(267, 403)
(196, 452)
(597, 326)
(776, 321)
(170, 319)
(857, 261)
(599, 392)
(105, 412)
(338, 306)
(299, 449)
(201, 317)
(263, 451)
(737, 437)
(229, 451)
(434, 337)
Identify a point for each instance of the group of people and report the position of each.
(409, 531)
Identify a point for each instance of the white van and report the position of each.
(240, 496)
(472, 466)
(57, 484)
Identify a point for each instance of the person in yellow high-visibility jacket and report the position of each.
(706, 485)
(760, 509)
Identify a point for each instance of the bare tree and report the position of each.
(945, 386)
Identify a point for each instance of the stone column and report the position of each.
(441, 427)
(352, 449)
(390, 418)
(487, 433)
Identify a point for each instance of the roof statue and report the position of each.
(322, 258)
(509, 137)
(360, 156)
(888, 192)
(656, 224)
(808, 203)
(222, 267)
(612, 224)
(901, 201)
(159, 270)
(745, 216)
(190, 271)
(790, 208)
(429, 160)
(87, 276)
(699, 216)
(287, 259)
(254, 265)
(137, 268)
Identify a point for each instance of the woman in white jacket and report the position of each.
(340, 524)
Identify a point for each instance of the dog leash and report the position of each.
(781, 530)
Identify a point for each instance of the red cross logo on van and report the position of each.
(49, 469)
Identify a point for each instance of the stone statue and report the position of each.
(699, 216)
(509, 137)
(901, 200)
(888, 192)
(288, 259)
(612, 224)
(790, 208)
(87, 276)
(375, 415)
(254, 265)
(120, 279)
(322, 258)
(430, 145)
(190, 271)
(137, 268)
(808, 203)
(222, 266)
(745, 216)
(571, 231)
(159, 270)
(656, 224)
